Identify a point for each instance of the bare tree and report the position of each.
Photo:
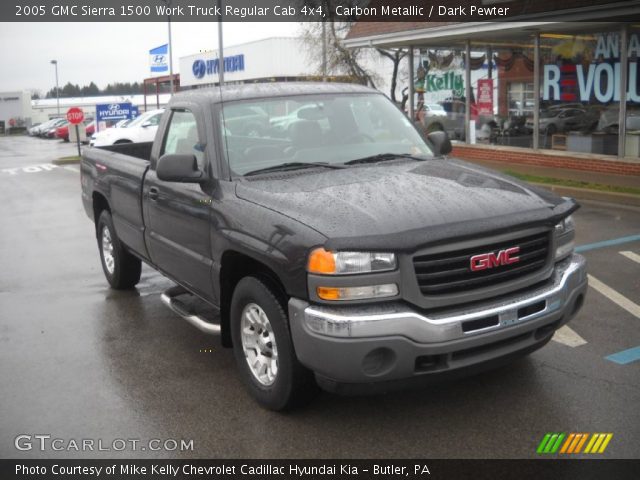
(340, 60)
(396, 56)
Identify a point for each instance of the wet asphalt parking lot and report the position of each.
(81, 361)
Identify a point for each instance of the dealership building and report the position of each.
(15, 110)
(276, 59)
(561, 90)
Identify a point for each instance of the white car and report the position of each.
(141, 129)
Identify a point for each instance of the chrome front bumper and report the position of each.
(351, 333)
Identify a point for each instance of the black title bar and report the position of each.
(579, 469)
(296, 10)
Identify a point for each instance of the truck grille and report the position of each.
(450, 272)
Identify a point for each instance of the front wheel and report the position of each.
(120, 267)
(263, 348)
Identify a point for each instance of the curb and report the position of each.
(587, 194)
(65, 161)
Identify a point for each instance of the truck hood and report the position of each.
(364, 204)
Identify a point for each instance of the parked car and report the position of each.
(610, 119)
(35, 130)
(141, 129)
(123, 123)
(62, 132)
(42, 129)
(558, 120)
(359, 258)
(50, 132)
(31, 130)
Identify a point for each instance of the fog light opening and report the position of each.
(378, 362)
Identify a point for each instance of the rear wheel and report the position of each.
(120, 267)
(263, 348)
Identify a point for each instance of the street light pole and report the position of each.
(171, 87)
(55, 63)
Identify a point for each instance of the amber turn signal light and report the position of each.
(321, 261)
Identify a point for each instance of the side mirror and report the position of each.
(440, 142)
(179, 168)
(146, 124)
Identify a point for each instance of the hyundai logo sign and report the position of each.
(234, 63)
(199, 68)
(113, 111)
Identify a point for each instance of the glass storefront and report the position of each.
(580, 76)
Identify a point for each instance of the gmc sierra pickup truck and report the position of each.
(342, 248)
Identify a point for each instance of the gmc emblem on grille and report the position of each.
(494, 259)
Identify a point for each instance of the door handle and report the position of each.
(154, 193)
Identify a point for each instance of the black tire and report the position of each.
(125, 270)
(552, 129)
(293, 385)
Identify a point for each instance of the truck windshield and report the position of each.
(330, 129)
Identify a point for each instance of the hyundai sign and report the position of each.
(113, 111)
(159, 59)
(200, 67)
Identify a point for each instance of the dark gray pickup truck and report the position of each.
(340, 247)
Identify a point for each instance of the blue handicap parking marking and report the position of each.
(607, 243)
(626, 356)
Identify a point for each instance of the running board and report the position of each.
(168, 297)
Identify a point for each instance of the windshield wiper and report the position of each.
(292, 166)
(383, 157)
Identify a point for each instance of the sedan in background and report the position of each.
(141, 129)
(62, 132)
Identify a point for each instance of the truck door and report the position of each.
(177, 214)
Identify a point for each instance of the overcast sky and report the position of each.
(108, 52)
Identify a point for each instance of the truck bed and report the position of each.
(117, 173)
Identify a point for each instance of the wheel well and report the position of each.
(99, 204)
(234, 267)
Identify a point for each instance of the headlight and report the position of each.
(344, 263)
(564, 233)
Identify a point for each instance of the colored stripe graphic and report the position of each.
(550, 443)
(572, 443)
(598, 442)
(543, 443)
(568, 442)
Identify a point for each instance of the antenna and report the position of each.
(220, 82)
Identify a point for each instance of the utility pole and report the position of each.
(55, 63)
(170, 55)
(220, 52)
(168, 4)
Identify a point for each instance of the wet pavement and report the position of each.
(80, 361)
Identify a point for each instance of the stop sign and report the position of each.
(75, 115)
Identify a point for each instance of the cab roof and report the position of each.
(267, 90)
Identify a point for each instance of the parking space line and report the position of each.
(72, 169)
(615, 297)
(631, 256)
(607, 243)
(568, 337)
(625, 356)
